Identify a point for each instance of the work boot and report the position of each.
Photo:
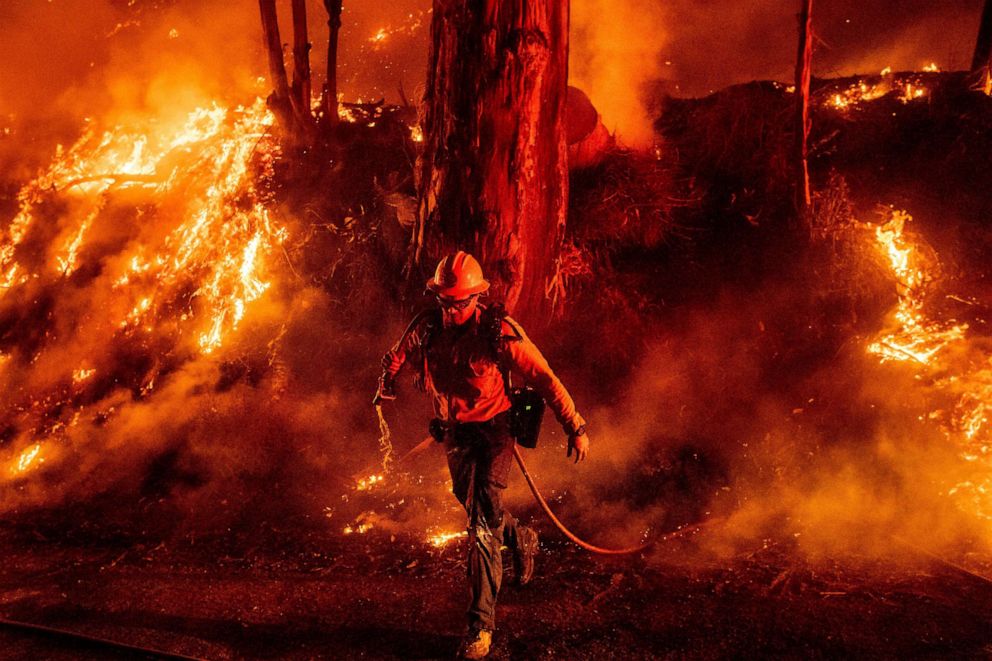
(523, 555)
(476, 645)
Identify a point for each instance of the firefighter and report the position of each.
(463, 352)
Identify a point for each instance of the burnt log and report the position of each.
(493, 176)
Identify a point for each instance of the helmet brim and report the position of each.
(457, 292)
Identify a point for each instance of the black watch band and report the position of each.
(578, 431)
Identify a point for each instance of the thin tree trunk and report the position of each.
(804, 61)
(301, 64)
(493, 178)
(333, 8)
(981, 62)
(279, 100)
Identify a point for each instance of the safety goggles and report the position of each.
(458, 304)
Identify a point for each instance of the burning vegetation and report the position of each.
(193, 302)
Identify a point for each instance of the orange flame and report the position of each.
(922, 341)
(223, 242)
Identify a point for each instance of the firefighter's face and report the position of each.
(457, 311)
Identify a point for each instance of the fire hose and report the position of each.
(429, 441)
(561, 526)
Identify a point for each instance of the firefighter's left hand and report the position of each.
(580, 445)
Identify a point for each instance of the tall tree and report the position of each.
(333, 8)
(493, 177)
(280, 100)
(981, 63)
(804, 62)
(301, 64)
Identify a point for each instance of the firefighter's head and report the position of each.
(458, 283)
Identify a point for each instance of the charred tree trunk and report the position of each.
(981, 63)
(493, 178)
(301, 66)
(804, 61)
(280, 100)
(333, 8)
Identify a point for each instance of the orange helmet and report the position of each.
(458, 275)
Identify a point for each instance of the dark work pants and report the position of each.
(479, 458)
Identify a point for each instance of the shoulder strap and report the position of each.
(494, 317)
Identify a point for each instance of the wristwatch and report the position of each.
(578, 431)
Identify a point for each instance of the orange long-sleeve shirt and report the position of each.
(464, 379)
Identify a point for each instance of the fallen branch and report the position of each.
(93, 640)
(943, 561)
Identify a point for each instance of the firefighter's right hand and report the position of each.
(579, 445)
(391, 362)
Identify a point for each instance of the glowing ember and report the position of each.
(368, 483)
(416, 133)
(910, 88)
(80, 375)
(932, 67)
(360, 528)
(379, 36)
(28, 457)
(441, 539)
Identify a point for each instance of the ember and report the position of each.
(441, 539)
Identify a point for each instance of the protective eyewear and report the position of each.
(455, 304)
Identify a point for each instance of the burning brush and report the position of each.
(152, 235)
(932, 347)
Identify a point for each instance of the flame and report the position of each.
(360, 528)
(931, 68)
(223, 242)
(27, 458)
(919, 340)
(414, 21)
(80, 375)
(440, 539)
(913, 337)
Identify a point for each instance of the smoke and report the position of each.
(720, 426)
(614, 52)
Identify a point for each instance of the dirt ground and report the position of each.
(275, 595)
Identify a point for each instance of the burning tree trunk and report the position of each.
(333, 8)
(493, 178)
(804, 60)
(280, 99)
(981, 63)
(301, 65)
